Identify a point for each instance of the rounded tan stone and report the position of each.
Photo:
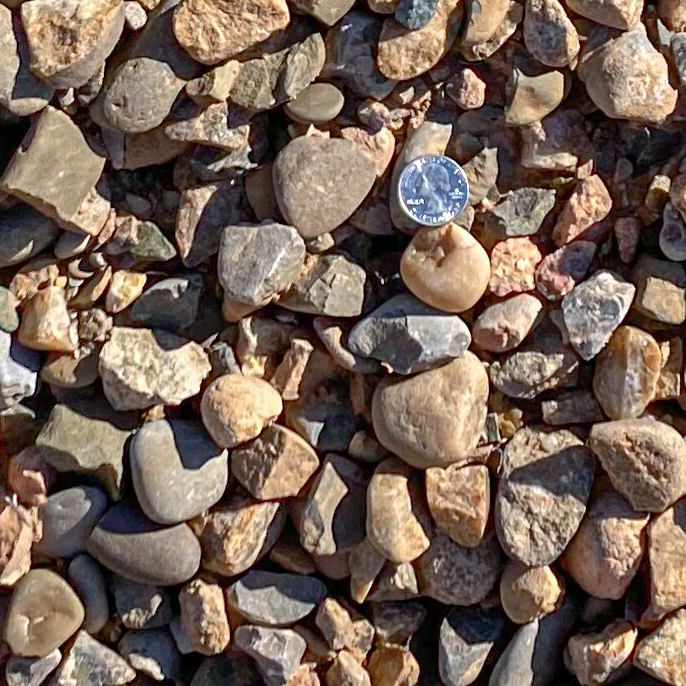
(528, 592)
(236, 408)
(434, 418)
(46, 324)
(398, 525)
(459, 501)
(446, 268)
(626, 373)
(393, 666)
(504, 325)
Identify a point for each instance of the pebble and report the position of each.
(455, 575)
(660, 290)
(596, 658)
(332, 519)
(527, 593)
(589, 204)
(535, 518)
(237, 533)
(275, 599)
(409, 336)
(18, 371)
(401, 534)
(316, 208)
(627, 231)
(447, 268)
(395, 622)
(88, 581)
(257, 262)
(68, 518)
(140, 606)
(277, 464)
(467, 89)
(326, 11)
(25, 233)
(513, 266)
(626, 373)
(127, 543)
(521, 212)
(43, 613)
(504, 28)
(393, 666)
(504, 325)
(379, 146)
(74, 442)
(27, 671)
(434, 418)
(395, 582)
(630, 448)
(575, 407)
(344, 629)
(138, 242)
(235, 408)
(465, 641)
(9, 319)
(558, 272)
(594, 309)
(627, 78)
(403, 54)
(317, 104)
(46, 323)
(482, 173)
(662, 653)
(459, 500)
(619, 14)
(534, 96)
(313, 291)
(672, 239)
(483, 20)
(210, 126)
(277, 652)
(90, 663)
(346, 671)
(549, 35)
(138, 368)
(170, 304)
(203, 617)
(152, 652)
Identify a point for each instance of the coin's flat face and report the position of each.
(433, 189)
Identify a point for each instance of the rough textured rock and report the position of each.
(521, 213)
(594, 309)
(626, 373)
(434, 418)
(455, 575)
(401, 533)
(393, 666)
(170, 304)
(140, 368)
(558, 272)
(534, 95)
(545, 484)
(660, 290)
(47, 324)
(152, 652)
(504, 325)
(18, 371)
(203, 617)
(459, 500)
(527, 593)
(74, 442)
(661, 654)
(26, 671)
(43, 614)
(307, 176)
(409, 336)
(549, 35)
(140, 606)
(277, 464)
(619, 14)
(589, 204)
(93, 31)
(275, 599)
(482, 21)
(128, 543)
(645, 460)
(177, 471)
(347, 671)
(513, 266)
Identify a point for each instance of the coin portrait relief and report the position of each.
(432, 184)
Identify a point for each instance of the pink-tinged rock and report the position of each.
(504, 325)
(378, 146)
(558, 273)
(513, 266)
(589, 204)
(627, 233)
(30, 476)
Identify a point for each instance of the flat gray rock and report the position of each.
(88, 581)
(171, 304)
(68, 518)
(409, 336)
(275, 599)
(140, 606)
(257, 262)
(521, 213)
(128, 543)
(24, 232)
(29, 671)
(177, 470)
(19, 368)
(152, 652)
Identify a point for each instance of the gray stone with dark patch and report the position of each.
(19, 368)
(545, 484)
(128, 543)
(152, 652)
(521, 213)
(409, 336)
(465, 641)
(257, 262)
(171, 304)
(415, 14)
(275, 599)
(140, 606)
(68, 518)
(231, 666)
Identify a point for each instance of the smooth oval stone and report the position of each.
(177, 470)
(88, 580)
(68, 519)
(128, 543)
(317, 104)
(43, 614)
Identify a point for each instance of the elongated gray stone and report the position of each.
(89, 582)
(171, 304)
(24, 232)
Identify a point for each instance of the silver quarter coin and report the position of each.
(433, 189)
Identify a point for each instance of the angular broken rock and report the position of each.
(55, 169)
(211, 126)
(27, 671)
(275, 599)
(18, 371)
(527, 593)
(203, 617)
(93, 30)
(140, 368)
(140, 606)
(308, 175)
(549, 34)
(504, 325)
(660, 289)
(589, 204)
(47, 324)
(662, 654)
(544, 486)
(19, 530)
(24, 232)
(521, 213)
(482, 21)
(257, 262)
(645, 460)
